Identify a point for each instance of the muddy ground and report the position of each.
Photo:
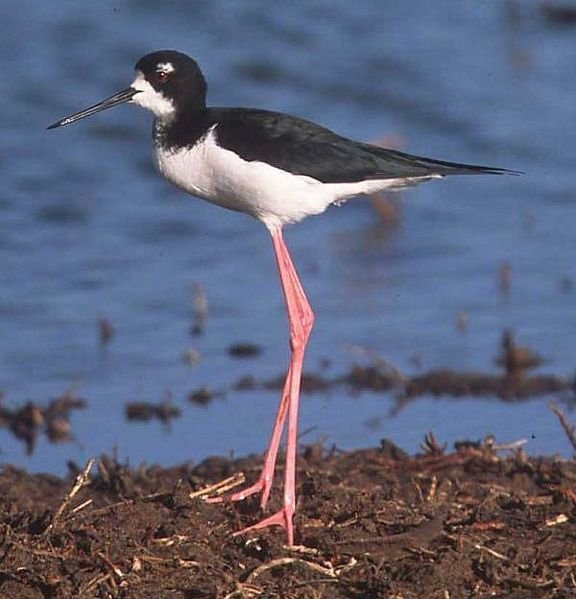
(476, 521)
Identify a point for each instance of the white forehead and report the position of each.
(167, 67)
(149, 98)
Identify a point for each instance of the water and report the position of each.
(88, 229)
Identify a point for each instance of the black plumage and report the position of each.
(304, 148)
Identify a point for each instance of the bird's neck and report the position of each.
(182, 130)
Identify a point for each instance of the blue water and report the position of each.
(89, 230)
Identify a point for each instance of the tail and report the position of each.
(392, 163)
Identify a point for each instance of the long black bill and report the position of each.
(124, 96)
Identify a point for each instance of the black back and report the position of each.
(304, 148)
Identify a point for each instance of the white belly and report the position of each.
(274, 196)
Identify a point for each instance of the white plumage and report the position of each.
(272, 195)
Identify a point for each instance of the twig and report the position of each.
(220, 487)
(509, 446)
(318, 581)
(102, 510)
(38, 552)
(82, 506)
(569, 429)
(244, 591)
(82, 480)
(182, 563)
(303, 550)
(285, 561)
(109, 564)
(97, 580)
(490, 551)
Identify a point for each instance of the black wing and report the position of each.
(304, 148)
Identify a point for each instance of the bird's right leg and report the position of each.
(264, 483)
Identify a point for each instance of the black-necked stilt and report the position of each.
(277, 168)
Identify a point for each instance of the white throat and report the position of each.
(152, 100)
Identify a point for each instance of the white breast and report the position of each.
(270, 194)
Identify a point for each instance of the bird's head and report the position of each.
(165, 82)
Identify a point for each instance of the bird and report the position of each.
(278, 169)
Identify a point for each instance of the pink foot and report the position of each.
(281, 518)
(260, 486)
(264, 483)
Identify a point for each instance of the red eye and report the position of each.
(162, 76)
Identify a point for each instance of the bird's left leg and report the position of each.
(264, 483)
(300, 320)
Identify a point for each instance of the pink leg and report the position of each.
(264, 483)
(300, 321)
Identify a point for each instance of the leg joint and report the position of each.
(299, 335)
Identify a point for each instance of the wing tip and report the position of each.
(493, 170)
